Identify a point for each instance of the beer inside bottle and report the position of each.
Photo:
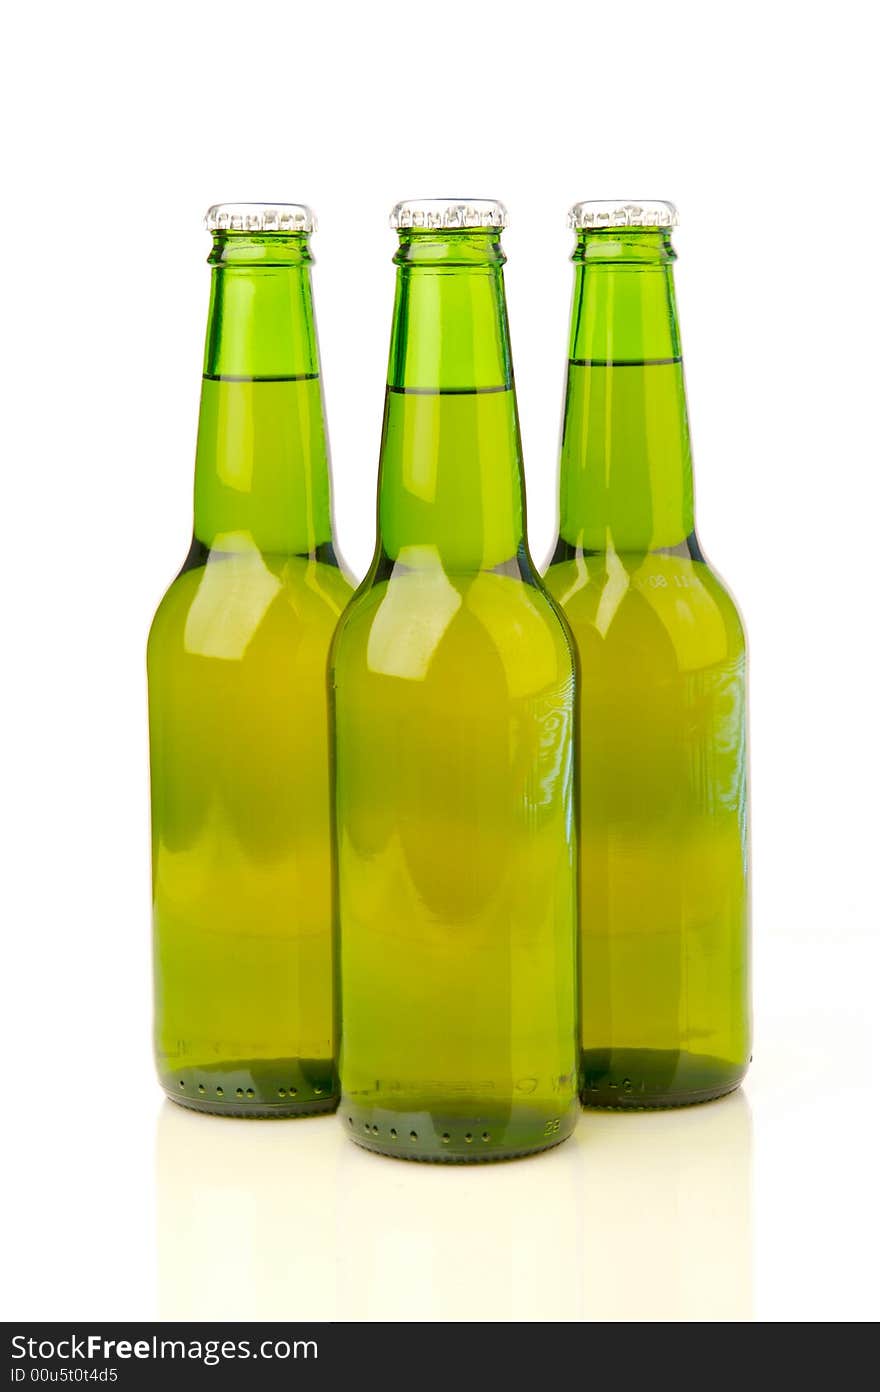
(664, 855)
(238, 710)
(453, 690)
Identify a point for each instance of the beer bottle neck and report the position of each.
(626, 482)
(451, 485)
(262, 476)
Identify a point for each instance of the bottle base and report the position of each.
(436, 1135)
(254, 1112)
(654, 1079)
(259, 1089)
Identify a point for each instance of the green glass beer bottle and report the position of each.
(665, 1015)
(452, 705)
(238, 707)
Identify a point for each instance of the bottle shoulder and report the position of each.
(405, 624)
(650, 599)
(216, 608)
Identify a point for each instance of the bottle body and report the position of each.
(453, 698)
(454, 701)
(663, 834)
(238, 725)
(665, 1014)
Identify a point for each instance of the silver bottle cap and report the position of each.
(450, 214)
(611, 212)
(260, 217)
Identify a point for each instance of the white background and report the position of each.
(121, 125)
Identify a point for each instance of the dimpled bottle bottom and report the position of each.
(452, 1136)
(261, 1088)
(648, 1079)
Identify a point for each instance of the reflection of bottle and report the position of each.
(235, 1240)
(664, 908)
(453, 696)
(499, 1242)
(238, 707)
(667, 1214)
